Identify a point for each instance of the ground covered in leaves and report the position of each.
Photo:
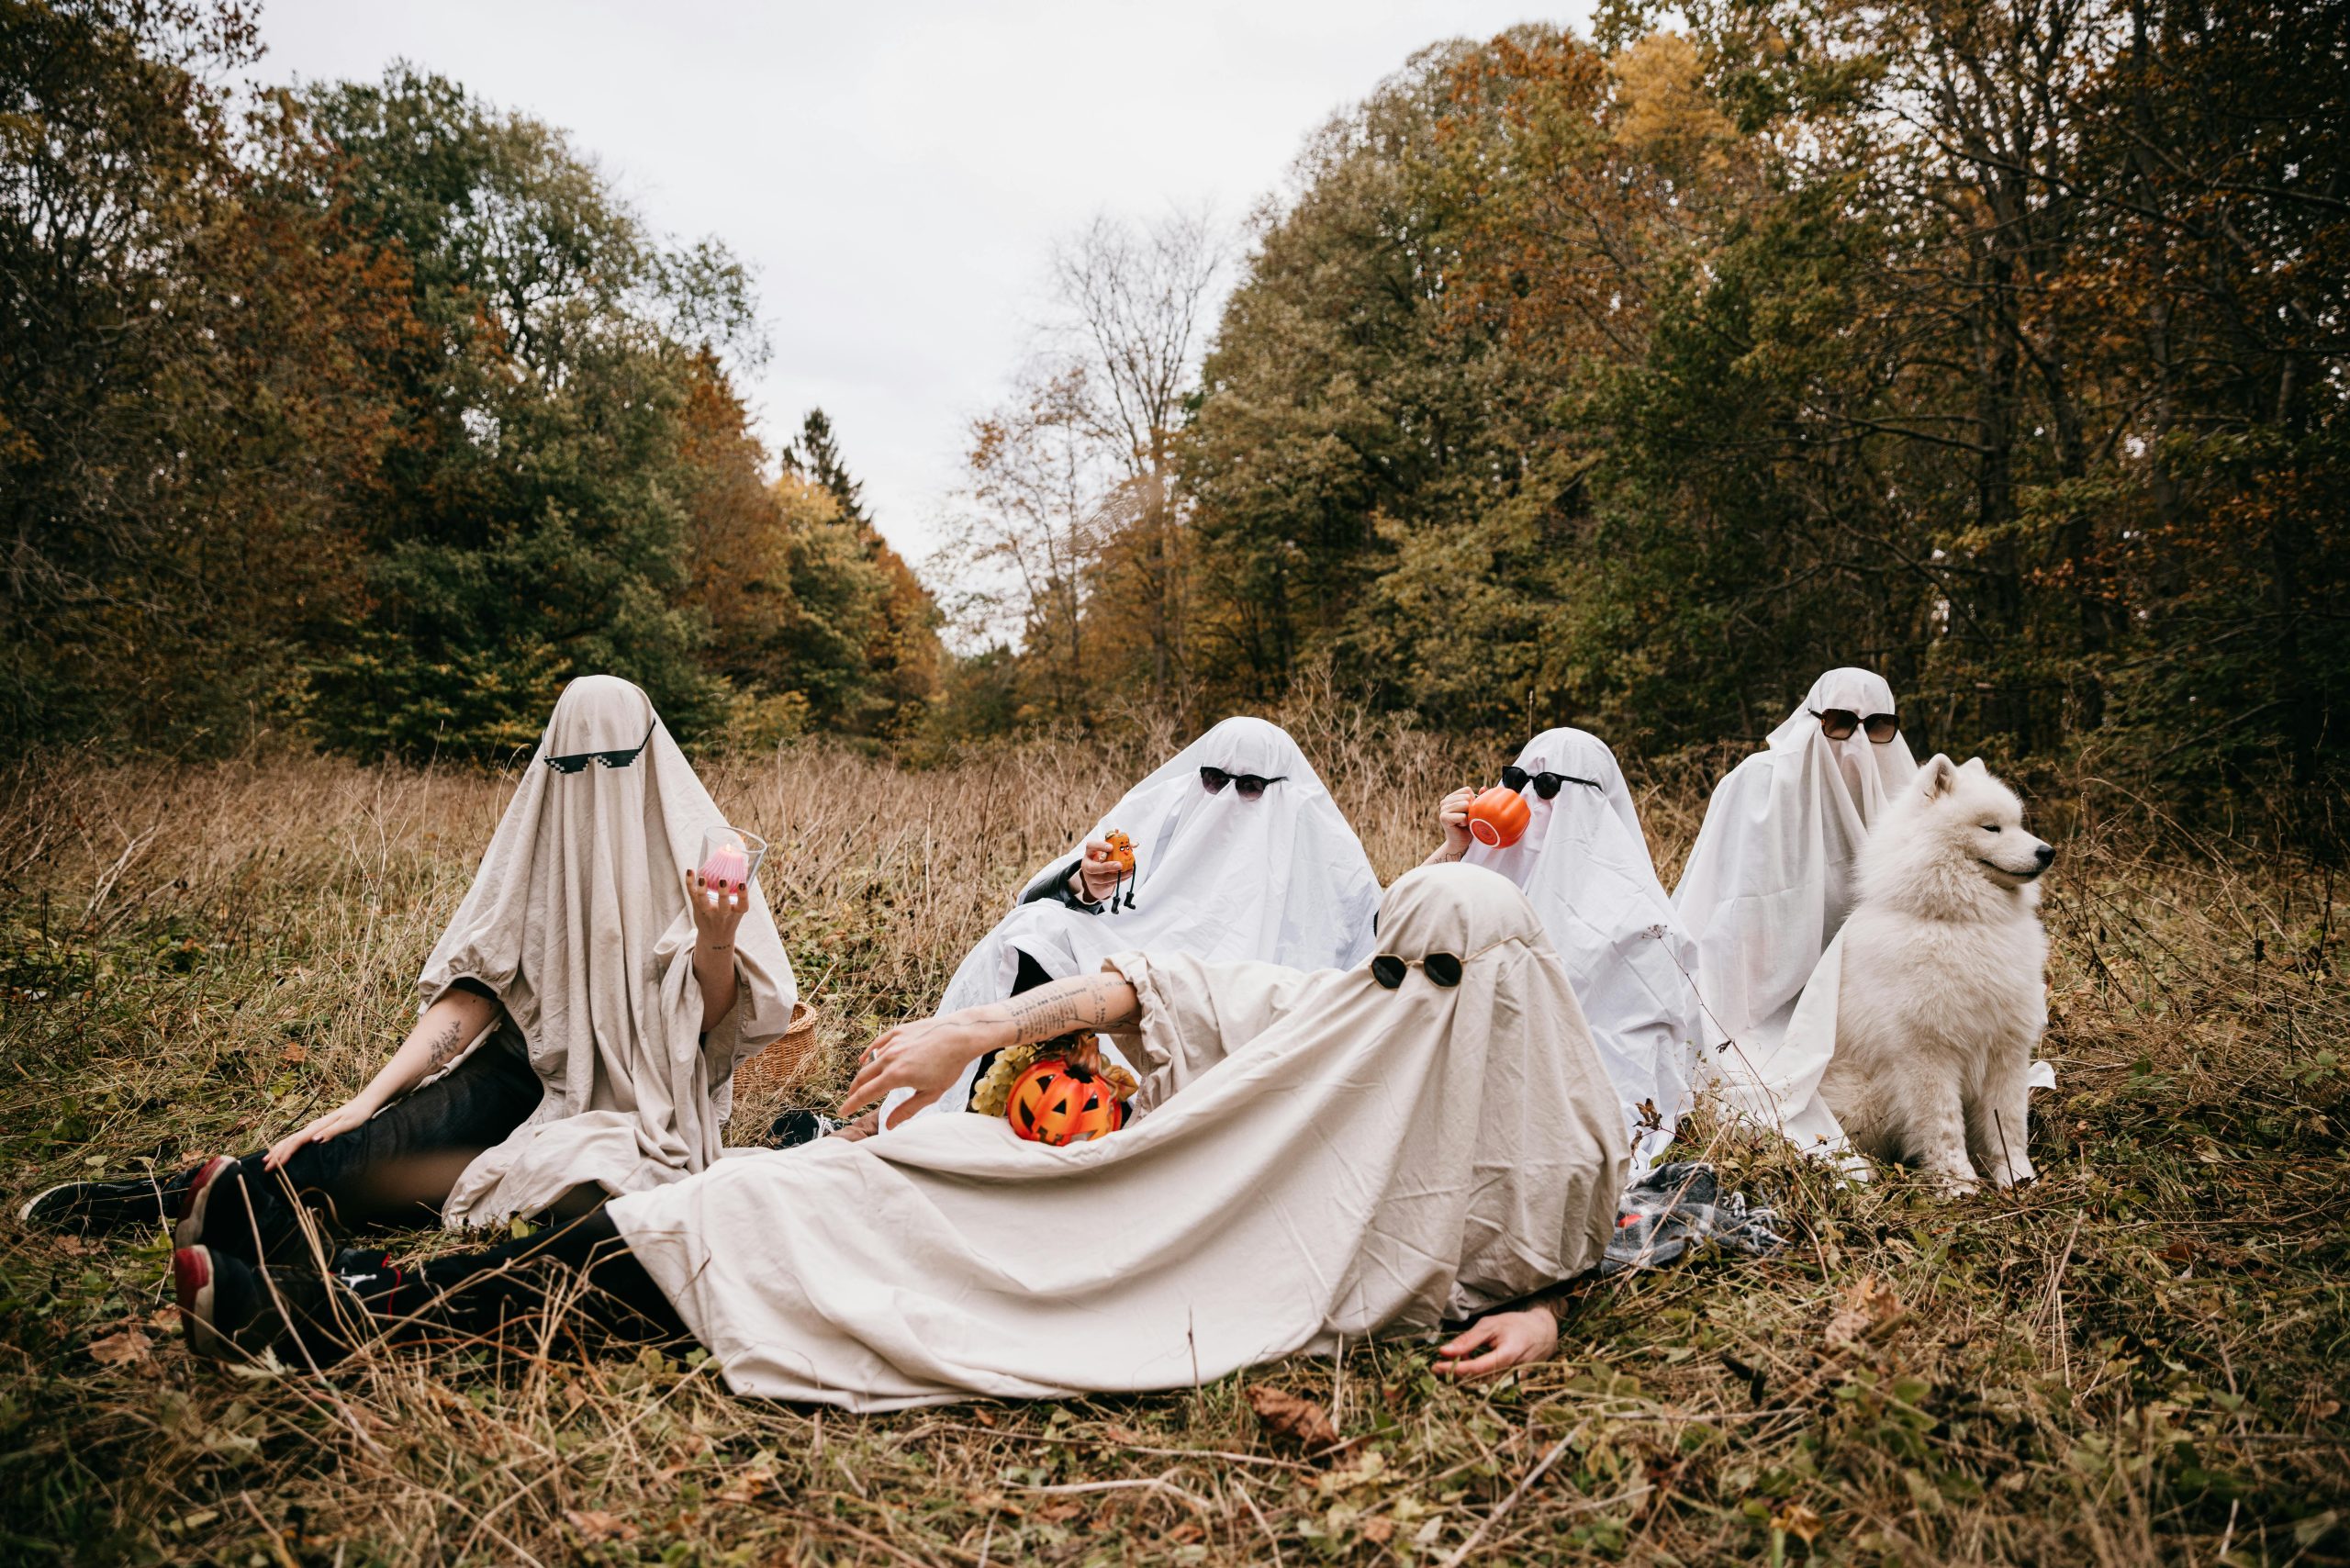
(2139, 1358)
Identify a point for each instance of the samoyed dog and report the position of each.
(1943, 999)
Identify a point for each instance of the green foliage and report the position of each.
(376, 413)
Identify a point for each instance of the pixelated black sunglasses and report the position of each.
(578, 761)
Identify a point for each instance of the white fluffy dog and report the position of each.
(1942, 998)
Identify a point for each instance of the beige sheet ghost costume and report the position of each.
(1583, 863)
(577, 921)
(1281, 877)
(1342, 1160)
(1767, 888)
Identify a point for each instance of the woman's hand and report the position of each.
(1452, 819)
(334, 1123)
(1493, 1345)
(926, 1056)
(715, 917)
(1097, 875)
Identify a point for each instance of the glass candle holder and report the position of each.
(730, 858)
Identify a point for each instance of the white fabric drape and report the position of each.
(577, 921)
(1342, 1160)
(1281, 877)
(1585, 865)
(1767, 888)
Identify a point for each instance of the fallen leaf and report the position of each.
(125, 1348)
(1866, 1311)
(1798, 1520)
(594, 1524)
(746, 1487)
(1380, 1531)
(1291, 1417)
(294, 1055)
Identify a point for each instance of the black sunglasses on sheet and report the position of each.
(1838, 724)
(578, 761)
(1442, 968)
(1249, 784)
(1546, 784)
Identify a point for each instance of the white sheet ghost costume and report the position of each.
(1282, 879)
(577, 922)
(1585, 865)
(1767, 888)
(1342, 1161)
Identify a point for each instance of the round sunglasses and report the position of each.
(1838, 724)
(1389, 970)
(1249, 786)
(1546, 784)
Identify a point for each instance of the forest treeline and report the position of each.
(371, 413)
(1629, 381)
(1624, 379)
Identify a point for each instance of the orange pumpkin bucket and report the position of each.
(1497, 817)
(1057, 1103)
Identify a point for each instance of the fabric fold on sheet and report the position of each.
(1281, 877)
(577, 920)
(1318, 1157)
(1583, 863)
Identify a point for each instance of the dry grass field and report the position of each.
(2140, 1357)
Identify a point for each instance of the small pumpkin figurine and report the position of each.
(1498, 817)
(1060, 1101)
(1122, 852)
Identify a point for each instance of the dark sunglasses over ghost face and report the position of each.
(1247, 786)
(578, 761)
(1838, 724)
(1546, 784)
(1389, 970)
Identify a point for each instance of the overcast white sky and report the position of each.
(897, 170)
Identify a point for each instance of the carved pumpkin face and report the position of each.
(1056, 1103)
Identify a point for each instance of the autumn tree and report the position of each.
(191, 411)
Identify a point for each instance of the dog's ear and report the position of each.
(1975, 765)
(1937, 777)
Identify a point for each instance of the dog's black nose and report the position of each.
(2044, 854)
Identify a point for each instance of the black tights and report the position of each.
(504, 1294)
(394, 1169)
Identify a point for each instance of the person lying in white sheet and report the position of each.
(1320, 1158)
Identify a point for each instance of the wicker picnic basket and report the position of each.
(779, 1064)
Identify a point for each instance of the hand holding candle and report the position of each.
(729, 857)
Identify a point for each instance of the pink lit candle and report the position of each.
(728, 856)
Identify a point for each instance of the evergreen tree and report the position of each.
(818, 456)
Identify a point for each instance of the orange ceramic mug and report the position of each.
(1497, 817)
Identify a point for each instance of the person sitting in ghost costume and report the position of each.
(1583, 863)
(1769, 884)
(1319, 1157)
(579, 1021)
(1239, 852)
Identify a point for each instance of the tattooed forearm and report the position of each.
(1064, 1007)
